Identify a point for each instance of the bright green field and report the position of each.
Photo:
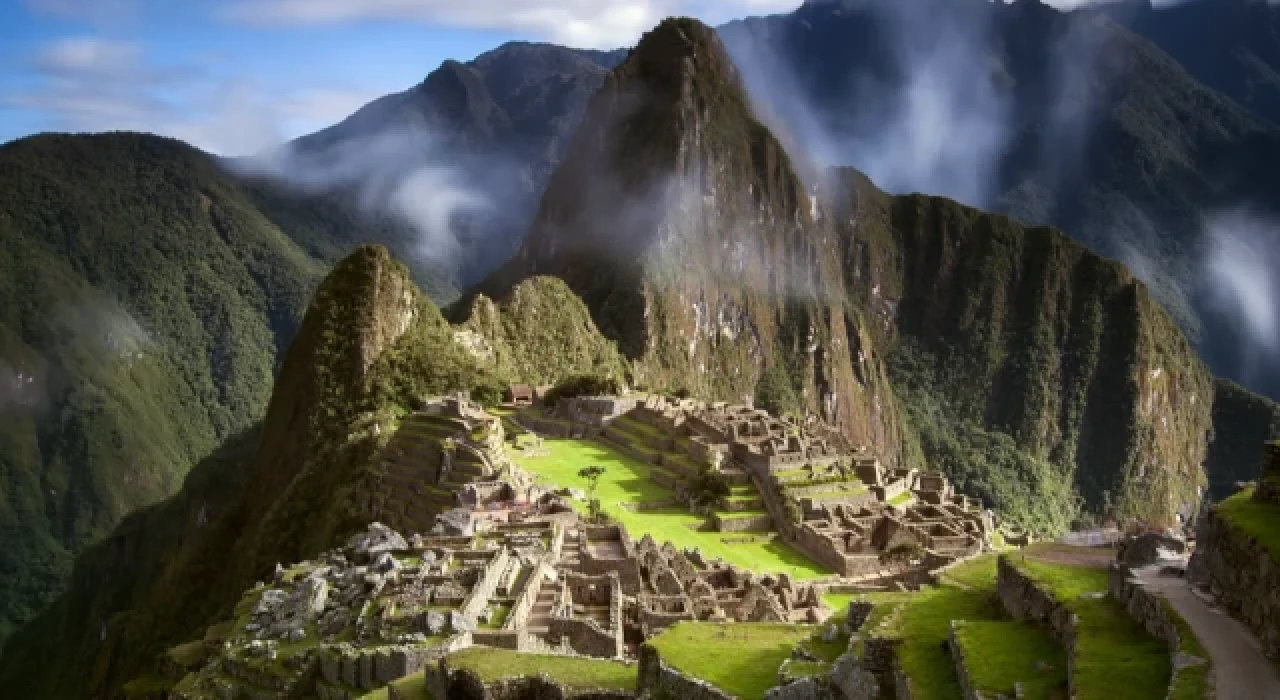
(741, 659)
(626, 481)
(999, 655)
(923, 622)
(1112, 649)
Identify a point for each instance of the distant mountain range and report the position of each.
(151, 289)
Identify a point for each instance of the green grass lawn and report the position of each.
(1259, 520)
(741, 659)
(626, 481)
(571, 671)
(999, 655)
(923, 622)
(1112, 649)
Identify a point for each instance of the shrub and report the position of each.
(582, 385)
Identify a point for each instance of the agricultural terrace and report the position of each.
(628, 495)
(741, 659)
(1022, 652)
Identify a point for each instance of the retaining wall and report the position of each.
(658, 680)
(1024, 599)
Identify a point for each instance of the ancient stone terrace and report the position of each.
(446, 453)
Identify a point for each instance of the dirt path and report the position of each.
(1240, 670)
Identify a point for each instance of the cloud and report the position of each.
(95, 84)
(582, 23)
(1242, 274)
(405, 173)
(921, 113)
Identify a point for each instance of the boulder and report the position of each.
(803, 689)
(435, 623)
(852, 681)
(378, 539)
(384, 563)
(830, 634)
(1150, 548)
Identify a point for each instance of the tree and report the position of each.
(592, 474)
(707, 489)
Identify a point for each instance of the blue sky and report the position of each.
(237, 76)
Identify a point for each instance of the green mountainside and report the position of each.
(1029, 368)
(145, 297)
(368, 348)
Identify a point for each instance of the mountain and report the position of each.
(298, 481)
(1232, 46)
(490, 130)
(910, 323)
(1066, 119)
(1035, 372)
(145, 296)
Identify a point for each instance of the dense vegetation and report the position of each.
(369, 347)
(145, 297)
(1242, 422)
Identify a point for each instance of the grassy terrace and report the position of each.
(741, 659)
(923, 622)
(1260, 521)
(1112, 650)
(999, 655)
(626, 482)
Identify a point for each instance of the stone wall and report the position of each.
(1144, 606)
(658, 680)
(1268, 489)
(759, 523)
(462, 684)
(586, 637)
(967, 688)
(1024, 599)
(479, 596)
(1242, 575)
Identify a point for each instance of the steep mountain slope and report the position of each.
(1033, 369)
(145, 295)
(306, 477)
(1242, 420)
(1231, 45)
(497, 124)
(1056, 118)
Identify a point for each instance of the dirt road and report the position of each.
(1240, 670)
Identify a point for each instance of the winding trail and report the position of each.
(1240, 670)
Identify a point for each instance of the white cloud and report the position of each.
(93, 84)
(583, 23)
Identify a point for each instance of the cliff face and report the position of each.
(684, 226)
(1038, 374)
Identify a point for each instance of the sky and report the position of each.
(238, 76)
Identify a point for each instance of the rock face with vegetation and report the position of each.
(1031, 370)
(369, 346)
(146, 296)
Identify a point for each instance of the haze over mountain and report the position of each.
(706, 236)
(1043, 377)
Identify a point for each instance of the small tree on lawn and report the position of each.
(592, 474)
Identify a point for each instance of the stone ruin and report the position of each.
(838, 504)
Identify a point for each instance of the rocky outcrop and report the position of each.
(1241, 574)
(1148, 548)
